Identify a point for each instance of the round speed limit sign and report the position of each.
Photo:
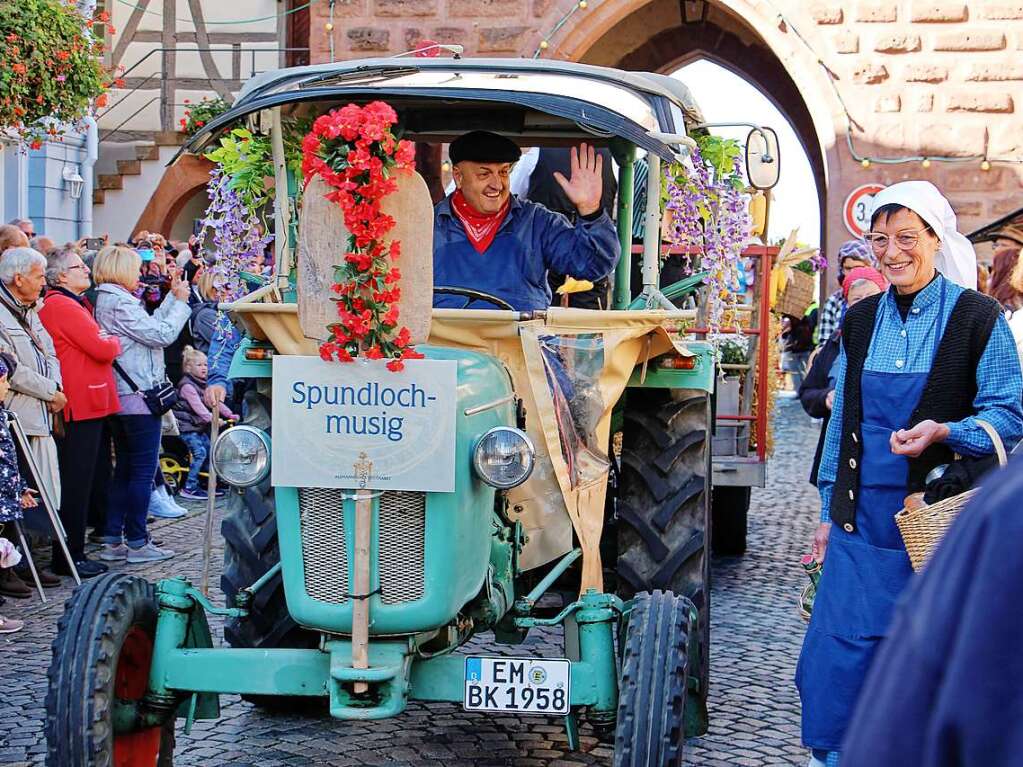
(857, 208)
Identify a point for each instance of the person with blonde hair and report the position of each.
(139, 368)
(203, 323)
(194, 419)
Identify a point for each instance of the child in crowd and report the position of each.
(194, 418)
(14, 493)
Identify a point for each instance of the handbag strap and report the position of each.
(127, 378)
(996, 439)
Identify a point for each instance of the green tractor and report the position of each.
(577, 498)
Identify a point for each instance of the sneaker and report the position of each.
(87, 568)
(148, 553)
(195, 495)
(114, 552)
(10, 625)
(162, 507)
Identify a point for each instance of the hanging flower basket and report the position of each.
(50, 70)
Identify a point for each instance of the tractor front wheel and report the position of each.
(650, 730)
(102, 654)
(663, 513)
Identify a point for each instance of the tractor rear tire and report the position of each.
(103, 652)
(729, 520)
(663, 513)
(251, 549)
(650, 731)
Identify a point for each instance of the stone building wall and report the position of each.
(917, 78)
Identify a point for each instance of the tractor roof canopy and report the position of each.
(532, 102)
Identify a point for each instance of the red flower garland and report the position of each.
(353, 149)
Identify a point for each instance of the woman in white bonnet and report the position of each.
(920, 363)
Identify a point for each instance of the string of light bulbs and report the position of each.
(864, 160)
(329, 27)
(545, 42)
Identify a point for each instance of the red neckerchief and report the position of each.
(480, 228)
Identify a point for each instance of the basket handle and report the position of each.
(1003, 460)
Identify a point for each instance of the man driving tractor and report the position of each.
(489, 241)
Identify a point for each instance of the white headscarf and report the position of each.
(956, 259)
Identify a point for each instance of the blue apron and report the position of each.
(864, 571)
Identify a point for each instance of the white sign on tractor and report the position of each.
(359, 425)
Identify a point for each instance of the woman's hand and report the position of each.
(179, 288)
(912, 442)
(829, 400)
(820, 541)
(28, 500)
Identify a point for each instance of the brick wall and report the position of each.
(938, 78)
(919, 78)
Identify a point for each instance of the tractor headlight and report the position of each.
(504, 457)
(241, 456)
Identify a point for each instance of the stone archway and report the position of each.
(184, 179)
(748, 38)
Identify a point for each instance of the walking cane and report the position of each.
(360, 607)
(211, 502)
(44, 495)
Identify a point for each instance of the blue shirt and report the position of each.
(908, 347)
(530, 241)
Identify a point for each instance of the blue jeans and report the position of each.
(199, 446)
(137, 454)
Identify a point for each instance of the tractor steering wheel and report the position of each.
(472, 295)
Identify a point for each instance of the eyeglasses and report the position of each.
(904, 240)
(78, 266)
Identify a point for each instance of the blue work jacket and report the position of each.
(530, 241)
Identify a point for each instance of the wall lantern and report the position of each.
(74, 181)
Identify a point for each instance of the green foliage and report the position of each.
(198, 115)
(722, 155)
(49, 67)
(733, 351)
(247, 158)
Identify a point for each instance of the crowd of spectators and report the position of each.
(94, 344)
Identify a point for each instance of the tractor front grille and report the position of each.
(401, 545)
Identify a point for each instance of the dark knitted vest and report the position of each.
(948, 393)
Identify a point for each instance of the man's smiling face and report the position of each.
(485, 185)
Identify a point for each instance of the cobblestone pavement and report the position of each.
(756, 634)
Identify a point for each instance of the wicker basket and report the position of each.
(922, 529)
(797, 296)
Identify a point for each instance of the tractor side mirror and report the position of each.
(763, 161)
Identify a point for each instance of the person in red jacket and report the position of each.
(86, 357)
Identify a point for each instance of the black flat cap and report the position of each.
(483, 146)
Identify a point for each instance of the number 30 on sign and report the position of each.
(858, 207)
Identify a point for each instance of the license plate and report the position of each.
(524, 685)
